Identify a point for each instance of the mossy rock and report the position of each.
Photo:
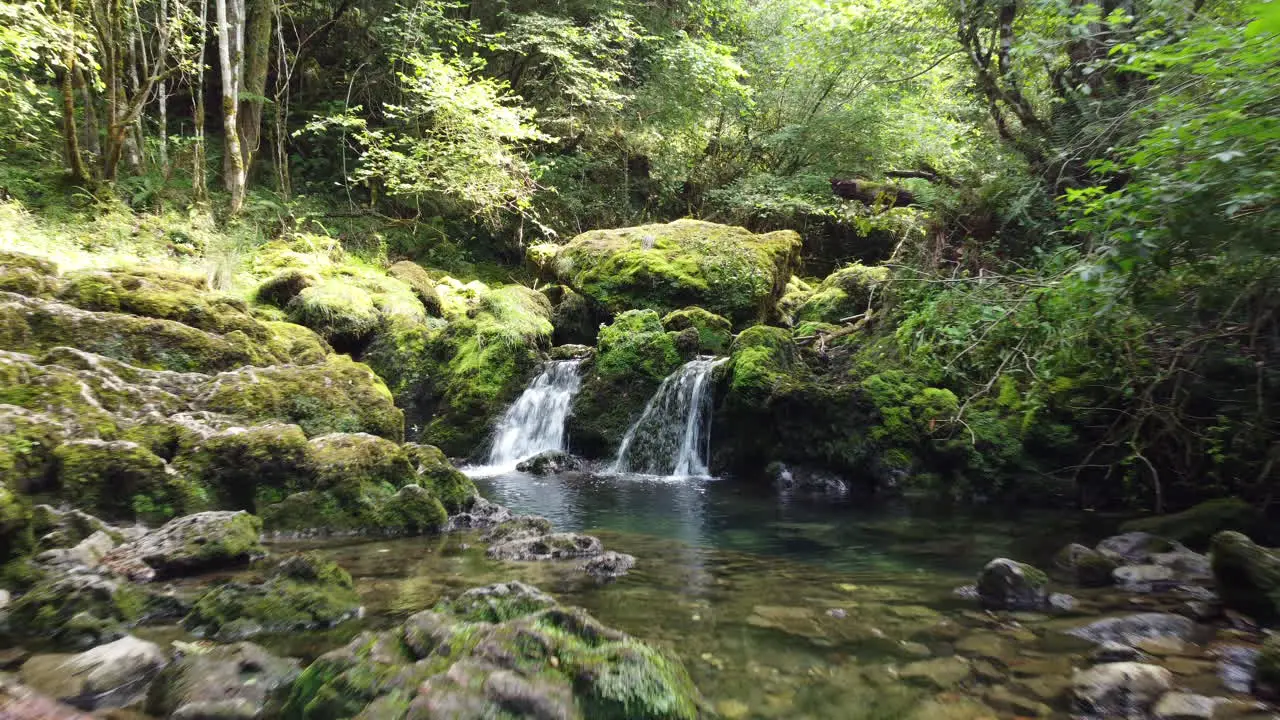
(762, 359)
(339, 395)
(343, 314)
(347, 463)
(845, 293)
(224, 682)
(727, 270)
(16, 536)
(417, 278)
(576, 320)
(28, 275)
(1266, 680)
(490, 356)
(27, 442)
(76, 610)
(248, 467)
(296, 344)
(1247, 575)
(714, 332)
(123, 480)
(412, 358)
(538, 654)
(1197, 525)
(196, 543)
(302, 592)
(635, 354)
(434, 472)
(285, 286)
(34, 326)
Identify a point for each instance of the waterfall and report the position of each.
(673, 435)
(535, 422)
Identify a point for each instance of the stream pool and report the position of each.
(783, 610)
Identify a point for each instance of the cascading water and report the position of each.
(673, 435)
(535, 422)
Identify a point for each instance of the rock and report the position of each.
(113, 675)
(1184, 706)
(1237, 666)
(1143, 578)
(939, 673)
(844, 293)
(226, 682)
(1134, 548)
(1085, 566)
(1162, 646)
(107, 477)
(1001, 697)
(195, 543)
(1122, 689)
(300, 593)
(5, 597)
(1009, 585)
(79, 610)
(1266, 680)
(726, 270)
(984, 645)
(20, 702)
(714, 332)
(798, 480)
(1112, 651)
(1195, 526)
(1187, 566)
(479, 515)
(552, 546)
(506, 650)
(243, 465)
(87, 553)
(609, 565)
(549, 462)
(435, 473)
(1247, 575)
(1130, 629)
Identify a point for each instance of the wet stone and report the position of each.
(1184, 706)
(1002, 698)
(1130, 629)
(939, 673)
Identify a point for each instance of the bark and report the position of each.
(257, 55)
(199, 167)
(74, 161)
(230, 17)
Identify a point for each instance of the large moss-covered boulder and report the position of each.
(245, 467)
(511, 653)
(1196, 525)
(490, 355)
(77, 611)
(775, 408)
(417, 278)
(123, 480)
(845, 293)
(1247, 575)
(27, 442)
(437, 474)
(346, 463)
(635, 354)
(163, 295)
(341, 313)
(192, 544)
(301, 592)
(337, 396)
(727, 270)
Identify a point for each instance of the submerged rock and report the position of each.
(1248, 576)
(939, 673)
(1131, 629)
(507, 650)
(609, 565)
(227, 682)
(301, 592)
(1010, 585)
(1085, 566)
(1124, 689)
(113, 675)
(551, 546)
(22, 703)
(550, 462)
(806, 482)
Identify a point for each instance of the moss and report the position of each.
(435, 473)
(845, 293)
(727, 270)
(416, 277)
(301, 592)
(634, 356)
(1248, 576)
(575, 319)
(77, 610)
(1197, 525)
(114, 479)
(347, 463)
(16, 537)
(1266, 681)
(245, 466)
(762, 359)
(714, 332)
(342, 314)
(35, 326)
(295, 343)
(490, 357)
(285, 286)
(27, 442)
(27, 275)
(412, 359)
(338, 395)
(413, 510)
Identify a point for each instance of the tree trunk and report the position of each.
(230, 34)
(75, 163)
(199, 168)
(257, 55)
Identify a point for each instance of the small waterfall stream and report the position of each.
(673, 435)
(535, 421)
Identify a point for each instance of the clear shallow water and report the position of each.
(779, 610)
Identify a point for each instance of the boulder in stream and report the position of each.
(549, 462)
(191, 544)
(1006, 584)
(108, 676)
(1121, 689)
(1084, 565)
(1131, 629)
(1248, 576)
(227, 682)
